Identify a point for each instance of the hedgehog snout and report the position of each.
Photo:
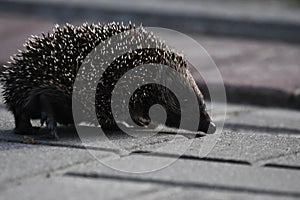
(206, 125)
(211, 128)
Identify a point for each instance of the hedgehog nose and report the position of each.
(212, 128)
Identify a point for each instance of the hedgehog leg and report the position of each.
(47, 115)
(23, 125)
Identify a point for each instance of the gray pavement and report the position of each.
(256, 160)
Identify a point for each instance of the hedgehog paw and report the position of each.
(51, 124)
(27, 131)
(43, 118)
(52, 128)
(54, 135)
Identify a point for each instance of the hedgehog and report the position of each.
(38, 81)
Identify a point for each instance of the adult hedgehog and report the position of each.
(38, 82)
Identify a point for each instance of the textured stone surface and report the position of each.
(85, 188)
(195, 174)
(24, 160)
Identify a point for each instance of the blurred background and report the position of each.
(254, 43)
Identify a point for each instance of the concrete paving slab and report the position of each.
(81, 188)
(252, 163)
(256, 148)
(23, 160)
(246, 138)
(259, 64)
(233, 147)
(207, 195)
(193, 174)
(291, 161)
(275, 121)
(75, 188)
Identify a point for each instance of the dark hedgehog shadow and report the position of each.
(69, 134)
(68, 137)
(65, 133)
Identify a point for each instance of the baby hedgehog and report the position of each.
(38, 81)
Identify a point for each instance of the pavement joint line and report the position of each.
(48, 173)
(282, 155)
(184, 184)
(155, 192)
(42, 143)
(265, 129)
(220, 160)
(282, 166)
(44, 173)
(53, 172)
(190, 157)
(162, 154)
(143, 153)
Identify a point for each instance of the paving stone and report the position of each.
(254, 148)
(74, 188)
(24, 160)
(194, 194)
(291, 161)
(184, 193)
(257, 146)
(246, 62)
(278, 121)
(82, 188)
(189, 174)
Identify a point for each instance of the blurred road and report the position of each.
(256, 19)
